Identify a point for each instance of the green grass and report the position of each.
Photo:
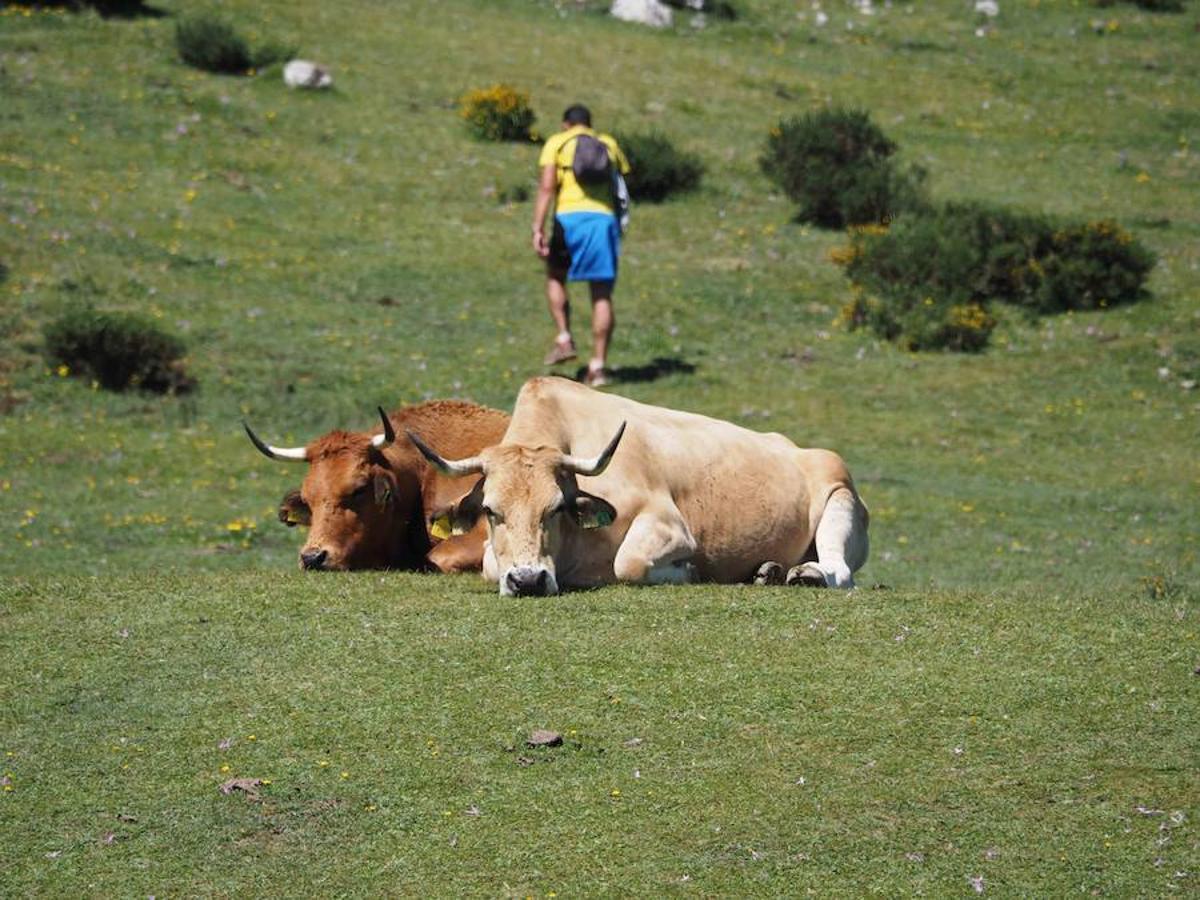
(721, 740)
(1034, 509)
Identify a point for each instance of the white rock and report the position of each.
(643, 12)
(305, 74)
(989, 8)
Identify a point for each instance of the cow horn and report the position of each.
(389, 433)
(287, 454)
(472, 465)
(596, 465)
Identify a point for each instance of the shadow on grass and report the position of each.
(657, 368)
(108, 9)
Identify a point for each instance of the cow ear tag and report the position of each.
(592, 512)
(440, 528)
(293, 510)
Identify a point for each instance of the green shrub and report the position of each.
(968, 251)
(117, 350)
(1096, 264)
(498, 113)
(922, 323)
(213, 45)
(657, 168)
(960, 252)
(838, 167)
(922, 277)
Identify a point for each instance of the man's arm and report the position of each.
(547, 185)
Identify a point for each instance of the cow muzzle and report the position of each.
(314, 559)
(528, 581)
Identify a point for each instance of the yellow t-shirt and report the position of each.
(572, 196)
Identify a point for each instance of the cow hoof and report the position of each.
(769, 573)
(805, 575)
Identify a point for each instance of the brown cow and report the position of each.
(367, 500)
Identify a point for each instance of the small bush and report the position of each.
(929, 273)
(922, 323)
(213, 45)
(837, 165)
(961, 253)
(117, 350)
(657, 168)
(969, 251)
(498, 113)
(1091, 266)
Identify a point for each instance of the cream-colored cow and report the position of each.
(588, 488)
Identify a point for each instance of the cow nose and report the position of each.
(313, 559)
(527, 581)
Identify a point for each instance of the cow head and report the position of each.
(532, 501)
(350, 499)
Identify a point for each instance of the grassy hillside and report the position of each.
(323, 253)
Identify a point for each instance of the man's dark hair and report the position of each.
(578, 114)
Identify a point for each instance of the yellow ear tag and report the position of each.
(292, 518)
(440, 528)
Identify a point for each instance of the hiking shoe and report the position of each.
(596, 378)
(560, 353)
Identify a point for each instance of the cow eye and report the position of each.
(494, 517)
(361, 491)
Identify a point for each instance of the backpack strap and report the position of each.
(558, 153)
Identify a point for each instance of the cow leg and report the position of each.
(841, 544)
(657, 549)
(456, 554)
(768, 573)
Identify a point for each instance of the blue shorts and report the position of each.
(590, 242)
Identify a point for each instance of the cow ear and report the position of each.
(294, 511)
(383, 490)
(591, 511)
(460, 517)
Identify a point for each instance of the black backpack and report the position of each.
(591, 164)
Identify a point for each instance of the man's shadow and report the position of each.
(657, 368)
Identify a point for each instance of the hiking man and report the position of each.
(578, 171)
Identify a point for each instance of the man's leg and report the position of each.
(560, 311)
(603, 323)
(559, 302)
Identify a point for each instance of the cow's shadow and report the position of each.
(657, 368)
